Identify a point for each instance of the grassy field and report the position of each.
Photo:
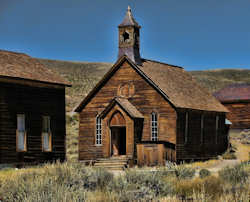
(75, 182)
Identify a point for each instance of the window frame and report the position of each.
(217, 119)
(17, 135)
(202, 128)
(154, 127)
(49, 134)
(186, 127)
(98, 131)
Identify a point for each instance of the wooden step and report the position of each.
(112, 163)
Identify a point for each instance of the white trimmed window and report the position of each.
(216, 129)
(202, 128)
(154, 127)
(98, 140)
(46, 134)
(21, 138)
(186, 127)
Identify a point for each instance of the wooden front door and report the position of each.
(118, 141)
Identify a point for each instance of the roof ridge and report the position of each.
(144, 59)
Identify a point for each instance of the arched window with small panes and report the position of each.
(98, 140)
(154, 126)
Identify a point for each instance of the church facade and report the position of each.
(149, 111)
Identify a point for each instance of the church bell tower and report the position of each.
(129, 38)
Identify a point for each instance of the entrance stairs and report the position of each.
(112, 163)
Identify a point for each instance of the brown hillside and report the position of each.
(85, 75)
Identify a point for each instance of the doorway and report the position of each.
(118, 141)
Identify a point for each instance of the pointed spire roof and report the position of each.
(129, 19)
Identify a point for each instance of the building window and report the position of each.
(216, 129)
(21, 134)
(154, 126)
(98, 131)
(186, 127)
(46, 134)
(202, 128)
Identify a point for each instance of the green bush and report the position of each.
(234, 175)
(204, 173)
(183, 172)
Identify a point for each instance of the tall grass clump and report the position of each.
(234, 175)
(184, 172)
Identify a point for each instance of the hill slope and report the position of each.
(84, 76)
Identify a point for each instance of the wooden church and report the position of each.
(149, 111)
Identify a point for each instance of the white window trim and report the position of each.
(25, 135)
(154, 126)
(98, 131)
(49, 135)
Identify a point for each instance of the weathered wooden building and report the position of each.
(149, 111)
(32, 111)
(236, 98)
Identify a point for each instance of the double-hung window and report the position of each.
(98, 139)
(154, 126)
(46, 134)
(21, 138)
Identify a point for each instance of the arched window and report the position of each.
(154, 126)
(98, 138)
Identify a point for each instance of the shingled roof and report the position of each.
(126, 105)
(173, 82)
(129, 19)
(19, 65)
(234, 92)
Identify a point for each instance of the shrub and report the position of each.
(229, 155)
(183, 172)
(142, 183)
(234, 175)
(204, 173)
(97, 179)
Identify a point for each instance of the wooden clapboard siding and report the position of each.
(146, 99)
(34, 102)
(239, 114)
(194, 148)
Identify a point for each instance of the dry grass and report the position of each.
(242, 151)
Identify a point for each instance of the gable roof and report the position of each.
(234, 92)
(172, 82)
(125, 105)
(19, 65)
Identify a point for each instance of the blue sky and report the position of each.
(195, 34)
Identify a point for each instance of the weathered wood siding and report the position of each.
(145, 98)
(239, 114)
(151, 154)
(34, 102)
(194, 148)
